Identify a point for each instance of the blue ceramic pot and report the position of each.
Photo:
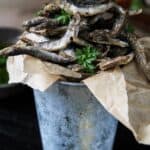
(70, 118)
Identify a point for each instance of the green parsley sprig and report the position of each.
(64, 17)
(86, 57)
(3, 70)
(129, 28)
(136, 5)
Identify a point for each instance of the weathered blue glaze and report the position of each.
(70, 118)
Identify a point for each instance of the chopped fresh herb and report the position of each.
(86, 58)
(3, 71)
(64, 17)
(136, 4)
(38, 13)
(129, 28)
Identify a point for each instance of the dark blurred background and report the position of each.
(18, 121)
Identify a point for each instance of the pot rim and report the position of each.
(75, 84)
(65, 83)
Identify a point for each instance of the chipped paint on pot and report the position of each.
(70, 118)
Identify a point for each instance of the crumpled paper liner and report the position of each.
(126, 95)
(124, 92)
(30, 71)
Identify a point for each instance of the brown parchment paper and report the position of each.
(30, 71)
(126, 95)
(124, 92)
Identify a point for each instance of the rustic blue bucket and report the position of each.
(70, 118)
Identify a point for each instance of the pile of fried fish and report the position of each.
(80, 40)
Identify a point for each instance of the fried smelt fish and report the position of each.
(36, 52)
(33, 38)
(91, 10)
(118, 61)
(84, 11)
(59, 70)
(34, 21)
(49, 31)
(140, 56)
(41, 22)
(72, 31)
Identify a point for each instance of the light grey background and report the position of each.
(13, 12)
